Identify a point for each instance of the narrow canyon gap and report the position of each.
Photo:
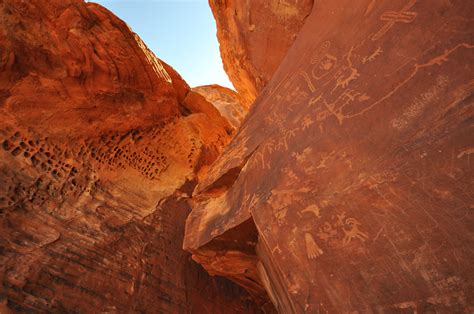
(347, 187)
(101, 146)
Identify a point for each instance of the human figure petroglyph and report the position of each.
(312, 248)
(296, 96)
(393, 17)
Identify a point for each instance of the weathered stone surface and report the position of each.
(101, 146)
(355, 166)
(254, 37)
(227, 101)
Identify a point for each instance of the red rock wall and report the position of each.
(254, 37)
(355, 166)
(101, 146)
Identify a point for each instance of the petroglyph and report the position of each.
(326, 232)
(466, 152)
(324, 66)
(340, 231)
(353, 232)
(307, 122)
(419, 103)
(308, 81)
(312, 248)
(319, 54)
(313, 209)
(276, 249)
(372, 57)
(335, 108)
(393, 17)
(280, 215)
(438, 60)
(345, 75)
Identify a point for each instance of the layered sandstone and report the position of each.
(254, 37)
(101, 146)
(348, 188)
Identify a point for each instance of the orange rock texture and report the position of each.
(254, 37)
(227, 101)
(101, 146)
(348, 188)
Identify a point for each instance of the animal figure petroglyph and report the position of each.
(353, 232)
(372, 57)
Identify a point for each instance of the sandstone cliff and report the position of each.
(227, 101)
(101, 146)
(348, 188)
(254, 37)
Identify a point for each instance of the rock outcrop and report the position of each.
(227, 101)
(348, 188)
(254, 37)
(101, 146)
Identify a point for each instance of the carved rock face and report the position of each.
(254, 37)
(354, 165)
(101, 146)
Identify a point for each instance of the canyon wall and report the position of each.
(348, 188)
(227, 101)
(254, 37)
(102, 144)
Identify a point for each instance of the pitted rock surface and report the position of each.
(102, 144)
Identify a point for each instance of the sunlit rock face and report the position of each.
(227, 101)
(254, 37)
(349, 185)
(101, 146)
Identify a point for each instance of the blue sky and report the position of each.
(180, 32)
